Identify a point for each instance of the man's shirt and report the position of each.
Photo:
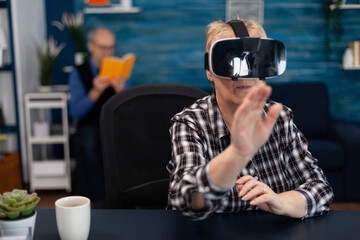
(80, 103)
(199, 134)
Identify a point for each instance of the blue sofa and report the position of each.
(335, 143)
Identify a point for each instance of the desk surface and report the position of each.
(161, 224)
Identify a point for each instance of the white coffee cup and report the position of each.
(73, 217)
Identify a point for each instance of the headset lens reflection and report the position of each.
(247, 58)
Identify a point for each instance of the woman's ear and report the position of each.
(209, 76)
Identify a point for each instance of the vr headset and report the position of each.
(245, 57)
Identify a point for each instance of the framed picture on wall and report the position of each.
(246, 9)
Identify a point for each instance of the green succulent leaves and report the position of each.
(17, 203)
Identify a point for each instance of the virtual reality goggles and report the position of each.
(246, 57)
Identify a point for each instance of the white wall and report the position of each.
(28, 19)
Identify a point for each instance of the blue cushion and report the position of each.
(331, 155)
(309, 102)
(337, 182)
(331, 159)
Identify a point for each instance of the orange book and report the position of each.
(97, 2)
(114, 67)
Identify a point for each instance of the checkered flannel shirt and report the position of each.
(199, 134)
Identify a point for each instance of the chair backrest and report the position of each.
(309, 102)
(134, 128)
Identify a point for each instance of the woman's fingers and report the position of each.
(256, 191)
(263, 198)
(248, 186)
(250, 189)
(244, 179)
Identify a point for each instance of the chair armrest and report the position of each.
(348, 135)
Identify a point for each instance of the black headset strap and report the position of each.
(206, 61)
(239, 28)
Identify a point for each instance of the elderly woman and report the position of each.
(236, 149)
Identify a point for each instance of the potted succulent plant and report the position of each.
(17, 212)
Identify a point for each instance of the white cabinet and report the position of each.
(48, 142)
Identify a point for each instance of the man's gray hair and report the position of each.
(91, 35)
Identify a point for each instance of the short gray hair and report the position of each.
(91, 35)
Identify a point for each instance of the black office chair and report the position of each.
(134, 128)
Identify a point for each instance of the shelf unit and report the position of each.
(6, 67)
(8, 73)
(343, 5)
(351, 67)
(124, 6)
(115, 8)
(45, 170)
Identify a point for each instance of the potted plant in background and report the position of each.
(47, 54)
(74, 23)
(17, 212)
(332, 13)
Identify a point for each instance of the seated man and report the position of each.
(237, 150)
(89, 92)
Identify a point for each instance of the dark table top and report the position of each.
(161, 224)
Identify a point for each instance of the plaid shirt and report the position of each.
(199, 134)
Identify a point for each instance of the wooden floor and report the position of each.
(345, 206)
(48, 199)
